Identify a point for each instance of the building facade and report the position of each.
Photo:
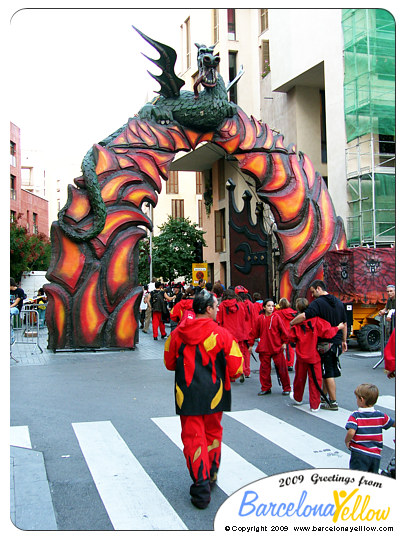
(325, 79)
(29, 208)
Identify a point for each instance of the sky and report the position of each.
(80, 74)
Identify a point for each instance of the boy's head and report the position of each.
(368, 392)
(301, 304)
(284, 303)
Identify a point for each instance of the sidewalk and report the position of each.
(31, 507)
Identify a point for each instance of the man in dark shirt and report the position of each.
(331, 309)
(17, 296)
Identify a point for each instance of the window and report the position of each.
(188, 43)
(28, 221)
(231, 24)
(264, 20)
(198, 183)
(178, 208)
(324, 150)
(13, 159)
(220, 230)
(35, 223)
(265, 57)
(233, 94)
(386, 144)
(215, 25)
(13, 192)
(13, 216)
(172, 185)
(200, 212)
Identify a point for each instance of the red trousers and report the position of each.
(289, 353)
(202, 438)
(302, 371)
(265, 371)
(244, 349)
(157, 323)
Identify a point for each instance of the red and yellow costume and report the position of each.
(287, 315)
(306, 337)
(205, 358)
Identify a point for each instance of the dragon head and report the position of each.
(207, 66)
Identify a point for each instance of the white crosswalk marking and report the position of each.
(234, 473)
(20, 436)
(131, 499)
(313, 451)
(388, 402)
(340, 417)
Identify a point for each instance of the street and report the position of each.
(105, 423)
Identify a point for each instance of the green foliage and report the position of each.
(27, 251)
(173, 251)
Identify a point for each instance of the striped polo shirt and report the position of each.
(368, 424)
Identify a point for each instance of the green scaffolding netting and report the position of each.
(369, 210)
(369, 83)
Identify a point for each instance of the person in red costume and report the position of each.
(389, 356)
(205, 358)
(233, 315)
(184, 307)
(308, 361)
(243, 293)
(287, 314)
(272, 335)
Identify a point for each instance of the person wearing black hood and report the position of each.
(331, 309)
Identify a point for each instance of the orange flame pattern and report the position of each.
(93, 297)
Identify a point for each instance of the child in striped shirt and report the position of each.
(364, 430)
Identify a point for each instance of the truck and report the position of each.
(359, 277)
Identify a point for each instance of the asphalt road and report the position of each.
(127, 393)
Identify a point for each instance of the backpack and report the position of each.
(156, 300)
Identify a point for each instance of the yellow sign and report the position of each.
(200, 271)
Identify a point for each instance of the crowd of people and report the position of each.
(211, 344)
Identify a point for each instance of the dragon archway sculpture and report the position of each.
(93, 292)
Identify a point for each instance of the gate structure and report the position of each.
(93, 295)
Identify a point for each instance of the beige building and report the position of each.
(307, 75)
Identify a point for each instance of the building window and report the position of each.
(231, 24)
(188, 43)
(220, 231)
(172, 184)
(324, 148)
(200, 213)
(265, 58)
(264, 20)
(177, 208)
(13, 192)
(28, 221)
(215, 25)
(13, 152)
(199, 183)
(13, 216)
(233, 94)
(35, 223)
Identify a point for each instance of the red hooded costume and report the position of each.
(306, 337)
(235, 317)
(287, 315)
(272, 335)
(205, 358)
(181, 309)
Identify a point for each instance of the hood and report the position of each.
(286, 313)
(230, 304)
(193, 331)
(330, 299)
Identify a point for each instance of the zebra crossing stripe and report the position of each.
(339, 418)
(20, 436)
(388, 402)
(315, 452)
(234, 472)
(130, 497)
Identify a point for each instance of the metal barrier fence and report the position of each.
(26, 329)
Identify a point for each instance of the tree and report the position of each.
(173, 250)
(27, 251)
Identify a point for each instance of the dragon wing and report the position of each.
(170, 84)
